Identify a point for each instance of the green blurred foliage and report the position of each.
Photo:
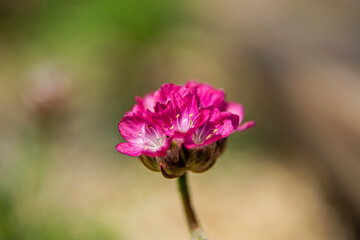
(22, 215)
(77, 34)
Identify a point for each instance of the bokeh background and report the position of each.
(69, 69)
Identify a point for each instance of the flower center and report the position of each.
(184, 123)
(151, 138)
(204, 133)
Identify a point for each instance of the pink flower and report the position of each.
(219, 125)
(180, 128)
(143, 137)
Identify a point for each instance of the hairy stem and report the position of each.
(193, 224)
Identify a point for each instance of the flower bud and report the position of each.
(179, 159)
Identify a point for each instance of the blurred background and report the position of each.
(70, 69)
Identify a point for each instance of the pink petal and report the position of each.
(165, 93)
(149, 101)
(235, 119)
(129, 149)
(192, 84)
(245, 126)
(161, 152)
(208, 96)
(164, 116)
(202, 117)
(130, 127)
(236, 108)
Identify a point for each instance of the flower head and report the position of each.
(180, 128)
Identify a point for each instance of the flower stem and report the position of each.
(194, 227)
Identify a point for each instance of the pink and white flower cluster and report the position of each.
(189, 117)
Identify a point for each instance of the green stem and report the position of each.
(193, 224)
